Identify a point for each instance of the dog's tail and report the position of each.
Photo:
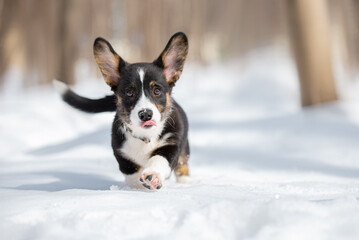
(106, 104)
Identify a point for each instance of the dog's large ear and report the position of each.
(173, 57)
(108, 61)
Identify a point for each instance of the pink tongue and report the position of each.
(148, 123)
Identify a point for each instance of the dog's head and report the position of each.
(143, 89)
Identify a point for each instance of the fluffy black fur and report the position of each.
(106, 104)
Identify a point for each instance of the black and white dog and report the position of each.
(149, 132)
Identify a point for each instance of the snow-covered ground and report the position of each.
(263, 168)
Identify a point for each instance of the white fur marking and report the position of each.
(158, 164)
(139, 151)
(133, 180)
(142, 104)
(141, 72)
(135, 126)
(61, 87)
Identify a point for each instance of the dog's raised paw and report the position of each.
(151, 181)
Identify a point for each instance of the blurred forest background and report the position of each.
(45, 39)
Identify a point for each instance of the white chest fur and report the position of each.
(138, 151)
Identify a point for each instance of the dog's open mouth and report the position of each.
(148, 124)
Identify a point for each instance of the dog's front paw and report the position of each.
(151, 181)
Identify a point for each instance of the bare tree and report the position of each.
(310, 39)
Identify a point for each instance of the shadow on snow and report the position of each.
(71, 180)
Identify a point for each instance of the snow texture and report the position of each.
(263, 168)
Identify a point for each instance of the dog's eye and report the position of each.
(129, 93)
(156, 91)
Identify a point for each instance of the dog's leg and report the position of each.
(132, 180)
(181, 170)
(157, 170)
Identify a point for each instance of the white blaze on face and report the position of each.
(141, 72)
(142, 104)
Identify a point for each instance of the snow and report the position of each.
(263, 168)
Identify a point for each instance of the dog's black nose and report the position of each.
(145, 114)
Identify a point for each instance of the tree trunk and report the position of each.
(309, 29)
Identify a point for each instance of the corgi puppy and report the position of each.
(149, 132)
